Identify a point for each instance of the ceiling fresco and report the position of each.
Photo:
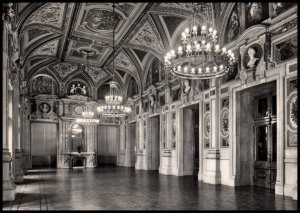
(73, 36)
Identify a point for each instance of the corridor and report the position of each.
(120, 188)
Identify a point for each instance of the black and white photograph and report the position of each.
(158, 105)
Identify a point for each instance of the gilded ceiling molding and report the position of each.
(48, 14)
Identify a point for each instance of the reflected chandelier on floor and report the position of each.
(199, 57)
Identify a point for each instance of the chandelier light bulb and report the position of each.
(172, 53)
(189, 47)
(214, 32)
(185, 69)
(224, 49)
(179, 68)
(193, 70)
(198, 46)
(203, 28)
(203, 42)
(194, 28)
(229, 52)
(207, 69)
(199, 70)
(187, 30)
(217, 47)
(210, 29)
(221, 66)
(215, 69)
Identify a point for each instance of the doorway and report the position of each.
(107, 144)
(191, 139)
(256, 132)
(265, 126)
(131, 145)
(44, 144)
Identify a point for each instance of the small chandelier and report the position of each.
(199, 57)
(113, 102)
(113, 97)
(88, 118)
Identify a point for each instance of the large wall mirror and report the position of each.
(78, 138)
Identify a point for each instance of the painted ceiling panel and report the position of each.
(49, 49)
(49, 14)
(147, 37)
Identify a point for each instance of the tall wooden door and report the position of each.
(265, 141)
(44, 144)
(108, 140)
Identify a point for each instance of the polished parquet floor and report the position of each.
(120, 188)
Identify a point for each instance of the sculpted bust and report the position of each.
(252, 59)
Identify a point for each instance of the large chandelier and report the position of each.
(113, 102)
(199, 57)
(88, 118)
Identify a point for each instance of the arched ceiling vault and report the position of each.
(57, 35)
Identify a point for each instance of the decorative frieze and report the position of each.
(224, 123)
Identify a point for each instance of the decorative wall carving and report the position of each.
(173, 130)
(49, 14)
(78, 88)
(207, 130)
(285, 50)
(78, 109)
(292, 109)
(147, 37)
(44, 107)
(292, 139)
(47, 49)
(224, 122)
(65, 69)
(164, 133)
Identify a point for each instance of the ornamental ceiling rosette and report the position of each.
(49, 49)
(49, 14)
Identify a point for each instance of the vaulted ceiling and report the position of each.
(56, 36)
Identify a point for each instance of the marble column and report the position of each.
(8, 185)
(213, 173)
(16, 134)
